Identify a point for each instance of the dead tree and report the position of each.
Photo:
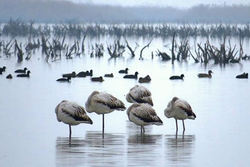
(164, 56)
(83, 48)
(132, 51)
(19, 52)
(195, 59)
(183, 50)
(7, 48)
(141, 58)
(173, 48)
(116, 50)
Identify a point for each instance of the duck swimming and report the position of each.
(123, 71)
(242, 76)
(21, 70)
(204, 75)
(176, 77)
(97, 79)
(135, 76)
(27, 75)
(146, 79)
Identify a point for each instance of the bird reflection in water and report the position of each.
(70, 154)
(143, 149)
(133, 129)
(93, 150)
(179, 149)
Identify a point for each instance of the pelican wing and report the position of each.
(110, 101)
(75, 111)
(139, 91)
(182, 104)
(140, 94)
(145, 112)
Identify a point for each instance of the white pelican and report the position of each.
(139, 94)
(143, 114)
(103, 103)
(179, 110)
(204, 75)
(72, 114)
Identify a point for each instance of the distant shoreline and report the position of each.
(68, 12)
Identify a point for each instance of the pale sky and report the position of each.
(162, 3)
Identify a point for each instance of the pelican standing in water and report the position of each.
(72, 114)
(143, 114)
(179, 110)
(139, 94)
(103, 103)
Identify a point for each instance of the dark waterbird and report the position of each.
(67, 79)
(27, 75)
(135, 76)
(9, 76)
(242, 76)
(175, 77)
(123, 71)
(21, 70)
(89, 73)
(2, 69)
(71, 75)
(205, 75)
(111, 75)
(81, 74)
(145, 79)
(97, 79)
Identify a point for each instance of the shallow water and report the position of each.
(31, 136)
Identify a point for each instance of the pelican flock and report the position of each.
(141, 112)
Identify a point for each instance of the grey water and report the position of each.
(31, 136)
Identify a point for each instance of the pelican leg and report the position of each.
(176, 125)
(143, 129)
(103, 126)
(69, 133)
(183, 125)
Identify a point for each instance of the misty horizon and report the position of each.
(161, 3)
(53, 11)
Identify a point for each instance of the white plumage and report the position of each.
(72, 114)
(179, 110)
(143, 114)
(139, 94)
(103, 103)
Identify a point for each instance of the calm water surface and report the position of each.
(31, 136)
